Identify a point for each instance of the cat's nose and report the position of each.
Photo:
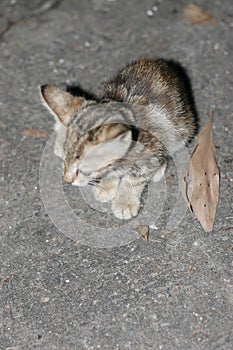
(68, 177)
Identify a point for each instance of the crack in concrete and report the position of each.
(6, 29)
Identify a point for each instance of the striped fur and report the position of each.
(123, 138)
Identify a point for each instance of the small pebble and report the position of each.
(150, 13)
(45, 299)
(153, 227)
(155, 8)
(87, 44)
(225, 238)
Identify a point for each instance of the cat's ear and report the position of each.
(116, 138)
(60, 103)
(113, 146)
(114, 131)
(118, 146)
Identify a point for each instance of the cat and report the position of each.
(121, 140)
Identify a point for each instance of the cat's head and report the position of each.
(94, 152)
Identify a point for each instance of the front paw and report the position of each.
(125, 209)
(106, 191)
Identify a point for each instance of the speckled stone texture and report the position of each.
(173, 292)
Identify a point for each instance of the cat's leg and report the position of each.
(106, 190)
(127, 202)
(160, 173)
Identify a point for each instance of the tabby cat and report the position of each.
(121, 140)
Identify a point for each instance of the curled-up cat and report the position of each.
(122, 139)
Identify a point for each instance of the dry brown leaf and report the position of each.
(197, 16)
(143, 230)
(35, 133)
(200, 183)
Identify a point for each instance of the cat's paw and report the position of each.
(104, 195)
(125, 209)
(106, 191)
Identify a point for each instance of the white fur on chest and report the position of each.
(61, 130)
(164, 129)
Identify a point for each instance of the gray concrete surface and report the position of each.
(174, 292)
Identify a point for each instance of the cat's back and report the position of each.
(144, 80)
(160, 95)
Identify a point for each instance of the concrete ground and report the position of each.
(173, 292)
